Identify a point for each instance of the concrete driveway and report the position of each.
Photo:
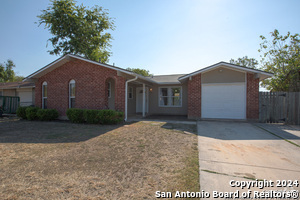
(244, 152)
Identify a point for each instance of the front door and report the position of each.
(139, 99)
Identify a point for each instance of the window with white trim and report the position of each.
(109, 90)
(170, 97)
(72, 94)
(130, 93)
(44, 95)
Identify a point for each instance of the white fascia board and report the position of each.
(227, 65)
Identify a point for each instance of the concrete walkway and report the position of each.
(242, 151)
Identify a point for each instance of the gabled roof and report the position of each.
(66, 58)
(160, 79)
(263, 74)
(13, 85)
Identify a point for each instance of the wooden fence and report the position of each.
(275, 107)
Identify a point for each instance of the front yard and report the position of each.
(61, 160)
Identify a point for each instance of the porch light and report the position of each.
(150, 89)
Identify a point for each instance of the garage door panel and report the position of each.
(223, 101)
(25, 98)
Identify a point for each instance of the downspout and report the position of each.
(126, 94)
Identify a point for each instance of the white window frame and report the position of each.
(169, 88)
(130, 93)
(109, 89)
(71, 97)
(43, 98)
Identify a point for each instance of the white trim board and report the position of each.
(228, 65)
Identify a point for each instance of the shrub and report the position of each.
(120, 117)
(21, 112)
(31, 113)
(75, 115)
(91, 116)
(47, 114)
(110, 116)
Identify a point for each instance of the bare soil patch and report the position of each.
(60, 160)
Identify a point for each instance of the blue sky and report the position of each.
(163, 36)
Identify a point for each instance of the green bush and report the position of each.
(91, 116)
(21, 112)
(120, 117)
(106, 116)
(110, 117)
(75, 115)
(47, 114)
(31, 113)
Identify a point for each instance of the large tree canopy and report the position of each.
(7, 73)
(246, 62)
(78, 30)
(281, 56)
(142, 72)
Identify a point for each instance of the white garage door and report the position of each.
(224, 101)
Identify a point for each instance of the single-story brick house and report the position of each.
(222, 90)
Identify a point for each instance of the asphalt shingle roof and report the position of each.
(16, 85)
(166, 78)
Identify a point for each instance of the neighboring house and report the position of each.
(24, 90)
(222, 90)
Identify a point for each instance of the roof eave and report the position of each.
(228, 65)
(68, 56)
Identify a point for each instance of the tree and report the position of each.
(7, 73)
(246, 62)
(19, 78)
(142, 72)
(281, 56)
(78, 30)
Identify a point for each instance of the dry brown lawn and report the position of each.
(61, 160)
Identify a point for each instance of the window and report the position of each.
(130, 93)
(109, 90)
(44, 95)
(170, 97)
(72, 94)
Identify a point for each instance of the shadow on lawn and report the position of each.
(185, 128)
(23, 131)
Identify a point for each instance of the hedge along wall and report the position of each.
(76, 115)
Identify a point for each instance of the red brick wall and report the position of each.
(252, 97)
(194, 97)
(90, 81)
